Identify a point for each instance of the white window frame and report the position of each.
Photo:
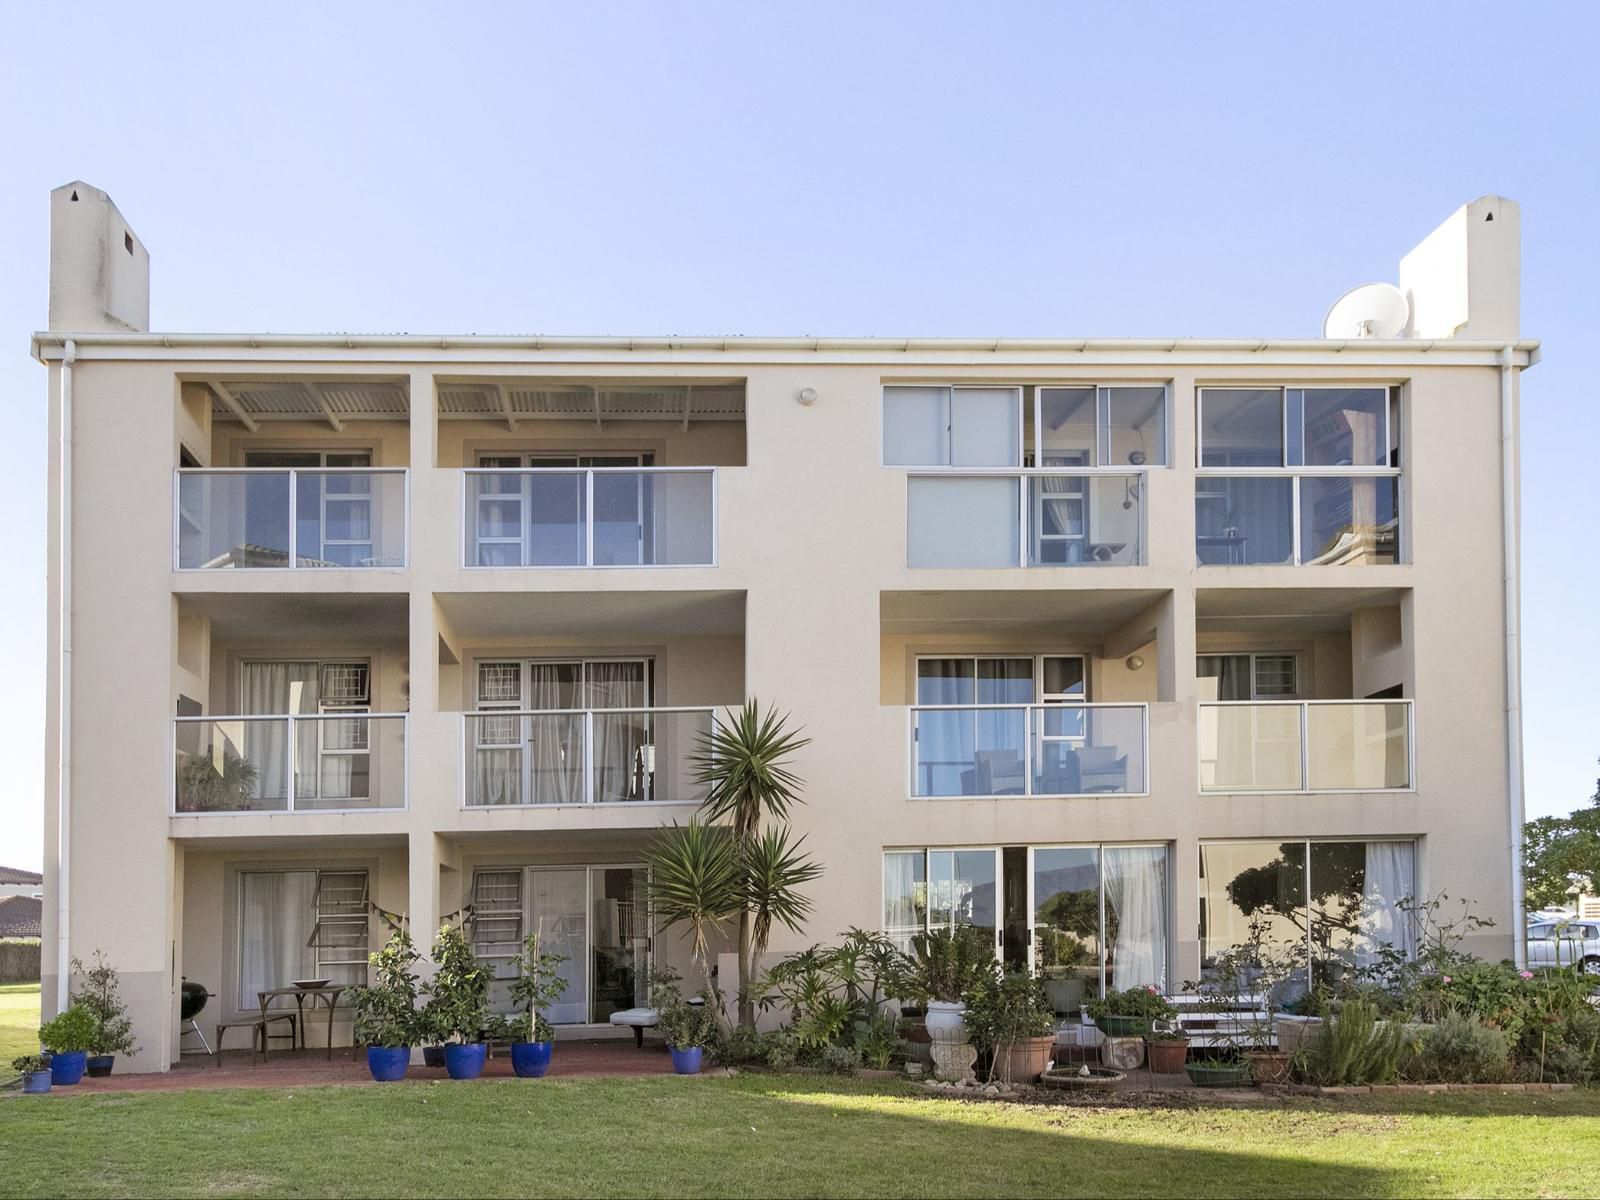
(1253, 656)
(1100, 849)
(316, 920)
(1394, 452)
(324, 500)
(325, 709)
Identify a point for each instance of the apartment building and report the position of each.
(1117, 648)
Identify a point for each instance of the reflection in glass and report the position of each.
(1066, 917)
(1241, 427)
(1244, 520)
(1349, 519)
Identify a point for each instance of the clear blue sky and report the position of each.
(857, 168)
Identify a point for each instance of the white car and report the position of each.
(1565, 943)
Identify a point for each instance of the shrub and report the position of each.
(1570, 1050)
(741, 1045)
(1008, 1009)
(841, 1060)
(684, 1025)
(781, 1049)
(1354, 1048)
(29, 1064)
(879, 1042)
(1146, 1003)
(70, 1032)
(1461, 1049)
(944, 965)
(834, 996)
(98, 993)
(537, 986)
(459, 991)
(386, 1009)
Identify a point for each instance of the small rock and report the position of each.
(991, 1090)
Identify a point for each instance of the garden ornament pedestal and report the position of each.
(1122, 1053)
(952, 1061)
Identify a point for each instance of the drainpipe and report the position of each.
(64, 685)
(1509, 516)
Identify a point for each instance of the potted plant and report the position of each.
(1009, 1018)
(688, 1028)
(433, 1030)
(1166, 1046)
(1063, 960)
(943, 966)
(386, 1009)
(35, 1071)
(203, 788)
(460, 989)
(1129, 1012)
(98, 993)
(537, 986)
(69, 1038)
(1217, 1071)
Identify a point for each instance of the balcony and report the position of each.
(242, 518)
(590, 517)
(1029, 750)
(313, 763)
(1035, 518)
(1306, 746)
(582, 756)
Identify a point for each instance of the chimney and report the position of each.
(99, 269)
(1465, 278)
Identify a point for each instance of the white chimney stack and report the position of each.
(99, 269)
(1465, 278)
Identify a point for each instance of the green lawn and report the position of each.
(19, 1022)
(785, 1136)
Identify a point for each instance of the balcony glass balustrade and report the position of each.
(1029, 750)
(1306, 746)
(252, 518)
(311, 763)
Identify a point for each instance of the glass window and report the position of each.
(963, 522)
(1068, 427)
(1241, 427)
(300, 925)
(946, 680)
(916, 426)
(961, 888)
(905, 895)
(1349, 520)
(1135, 424)
(1136, 917)
(984, 428)
(1067, 948)
(1244, 520)
(1340, 427)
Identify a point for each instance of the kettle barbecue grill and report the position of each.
(191, 1004)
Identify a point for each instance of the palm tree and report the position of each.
(743, 761)
(694, 880)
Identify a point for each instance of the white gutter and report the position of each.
(64, 686)
(1510, 529)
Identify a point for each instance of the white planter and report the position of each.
(1295, 1031)
(945, 1021)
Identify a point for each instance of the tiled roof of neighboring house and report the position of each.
(12, 875)
(19, 916)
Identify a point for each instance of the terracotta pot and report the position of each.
(1268, 1066)
(1023, 1061)
(1167, 1055)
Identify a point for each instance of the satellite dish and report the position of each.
(1373, 310)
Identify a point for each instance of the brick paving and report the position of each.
(311, 1068)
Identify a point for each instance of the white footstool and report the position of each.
(639, 1019)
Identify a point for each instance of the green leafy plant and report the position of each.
(1005, 1009)
(684, 1025)
(1143, 1003)
(744, 763)
(459, 989)
(30, 1064)
(203, 788)
(386, 1008)
(944, 965)
(71, 1031)
(99, 993)
(1355, 1048)
(834, 995)
(878, 1042)
(537, 986)
(501, 1029)
(1461, 1049)
(694, 882)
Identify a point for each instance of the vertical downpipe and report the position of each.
(1510, 518)
(69, 356)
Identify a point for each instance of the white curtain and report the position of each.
(1390, 878)
(619, 738)
(903, 871)
(555, 743)
(280, 688)
(1136, 894)
(559, 903)
(276, 922)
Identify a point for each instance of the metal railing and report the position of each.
(589, 516)
(1306, 746)
(528, 757)
(321, 762)
(251, 518)
(1029, 749)
(1039, 517)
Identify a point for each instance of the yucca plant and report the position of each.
(694, 881)
(743, 762)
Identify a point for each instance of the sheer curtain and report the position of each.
(619, 738)
(1390, 878)
(272, 689)
(1136, 898)
(946, 739)
(558, 907)
(903, 873)
(276, 922)
(555, 742)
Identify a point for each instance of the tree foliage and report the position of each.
(1558, 852)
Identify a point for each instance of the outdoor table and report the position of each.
(328, 995)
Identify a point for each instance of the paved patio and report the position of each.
(311, 1068)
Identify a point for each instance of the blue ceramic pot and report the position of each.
(67, 1068)
(464, 1061)
(686, 1062)
(36, 1083)
(388, 1063)
(531, 1059)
